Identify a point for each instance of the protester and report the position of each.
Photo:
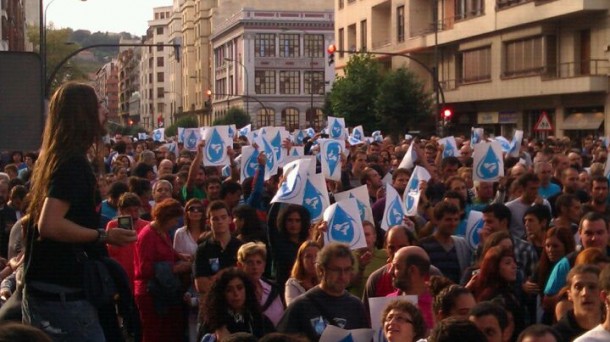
(402, 322)
(303, 276)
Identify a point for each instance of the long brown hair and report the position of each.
(71, 128)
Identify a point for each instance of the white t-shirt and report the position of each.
(597, 334)
(184, 243)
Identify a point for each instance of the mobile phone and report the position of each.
(125, 222)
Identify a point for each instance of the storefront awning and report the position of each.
(583, 121)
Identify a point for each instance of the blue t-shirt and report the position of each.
(549, 190)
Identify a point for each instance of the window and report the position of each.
(476, 65)
(289, 82)
(363, 35)
(315, 118)
(264, 81)
(523, 57)
(160, 92)
(160, 77)
(150, 79)
(264, 45)
(150, 62)
(159, 30)
(400, 23)
(219, 56)
(289, 45)
(159, 47)
(220, 90)
(341, 4)
(160, 61)
(313, 45)
(314, 82)
(341, 41)
(265, 117)
(469, 8)
(290, 118)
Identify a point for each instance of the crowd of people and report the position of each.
(196, 255)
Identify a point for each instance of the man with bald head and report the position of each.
(166, 167)
(410, 271)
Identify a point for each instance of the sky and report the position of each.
(103, 15)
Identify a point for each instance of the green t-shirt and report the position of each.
(196, 193)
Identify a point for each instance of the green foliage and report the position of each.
(402, 103)
(236, 116)
(353, 95)
(186, 122)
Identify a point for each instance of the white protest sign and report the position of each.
(330, 158)
(488, 163)
(412, 192)
(315, 196)
(292, 189)
(450, 147)
(515, 144)
(361, 194)
(408, 161)
(394, 209)
(216, 143)
(249, 162)
(158, 134)
(191, 136)
(336, 128)
(474, 224)
(344, 224)
(336, 334)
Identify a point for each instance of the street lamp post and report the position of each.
(43, 37)
(247, 92)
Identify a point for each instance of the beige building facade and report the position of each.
(502, 64)
(271, 62)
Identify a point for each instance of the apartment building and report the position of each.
(174, 92)
(272, 63)
(502, 64)
(106, 85)
(128, 63)
(154, 72)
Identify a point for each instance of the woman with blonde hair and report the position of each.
(303, 276)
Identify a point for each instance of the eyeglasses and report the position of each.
(195, 209)
(398, 319)
(337, 270)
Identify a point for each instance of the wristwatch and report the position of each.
(102, 236)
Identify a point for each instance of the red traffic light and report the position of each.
(447, 113)
(209, 92)
(331, 49)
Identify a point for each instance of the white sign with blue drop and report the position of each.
(159, 134)
(344, 224)
(412, 192)
(336, 334)
(336, 128)
(249, 162)
(515, 144)
(216, 143)
(408, 161)
(488, 163)
(394, 211)
(191, 137)
(449, 147)
(330, 157)
(361, 194)
(292, 188)
(474, 224)
(315, 196)
(358, 133)
(476, 135)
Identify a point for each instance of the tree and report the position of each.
(236, 116)
(353, 95)
(187, 122)
(402, 103)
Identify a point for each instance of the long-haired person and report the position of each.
(496, 282)
(63, 210)
(161, 321)
(304, 275)
(232, 306)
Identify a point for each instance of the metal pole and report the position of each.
(439, 128)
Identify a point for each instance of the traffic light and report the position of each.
(447, 114)
(331, 54)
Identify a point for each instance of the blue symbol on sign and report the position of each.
(489, 166)
(358, 134)
(449, 151)
(298, 138)
(231, 132)
(473, 235)
(250, 166)
(215, 148)
(474, 137)
(413, 185)
(361, 207)
(395, 213)
(270, 154)
(244, 131)
(290, 191)
(295, 153)
(347, 338)
(333, 152)
(312, 200)
(336, 130)
(157, 135)
(341, 226)
(276, 143)
(191, 141)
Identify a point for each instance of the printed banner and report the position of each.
(450, 147)
(159, 134)
(216, 143)
(315, 197)
(330, 158)
(336, 128)
(474, 224)
(249, 162)
(412, 192)
(488, 163)
(394, 212)
(292, 188)
(361, 194)
(344, 224)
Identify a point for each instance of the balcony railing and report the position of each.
(591, 67)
